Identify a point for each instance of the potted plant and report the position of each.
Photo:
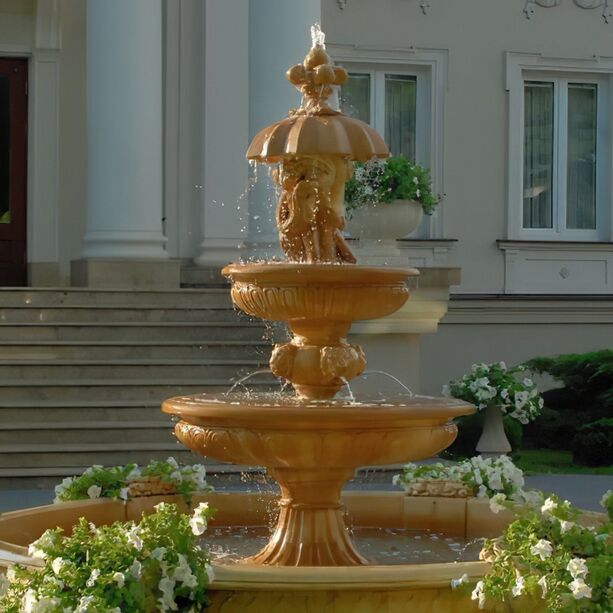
(495, 389)
(386, 199)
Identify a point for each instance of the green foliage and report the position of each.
(392, 179)
(593, 443)
(122, 568)
(544, 461)
(546, 556)
(588, 375)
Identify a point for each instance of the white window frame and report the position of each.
(430, 68)
(523, 67)
(422, 101)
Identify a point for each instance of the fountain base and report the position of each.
(310, 530)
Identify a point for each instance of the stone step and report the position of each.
(47, 297)
(111, 350)
(84, 411)
(62, 432)
(199, 276)
(121, 314)
(134, 369)
(122, 389)
(85, 454)
(178, 331)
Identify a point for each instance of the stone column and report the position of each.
(279, 37)
(124, 244)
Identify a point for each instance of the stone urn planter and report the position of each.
(493, 439)
(386, 220)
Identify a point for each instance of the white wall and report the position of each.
(476, 34)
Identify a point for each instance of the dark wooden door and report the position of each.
(13, 170)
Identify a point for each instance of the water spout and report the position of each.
(386, 374)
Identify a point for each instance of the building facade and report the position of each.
(138, 115)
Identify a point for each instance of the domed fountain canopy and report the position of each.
(315, 128)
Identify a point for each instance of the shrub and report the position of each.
(587, 379)
(593, 443)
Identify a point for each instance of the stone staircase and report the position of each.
(83, 373)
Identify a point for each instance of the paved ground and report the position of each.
(584, 491)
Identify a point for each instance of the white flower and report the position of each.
(533, 498)
(172, 462)
(136, 569)
(119, 579)
(134, 473)
(495, 481)
(543, 583)
(123, 493)
(158, 553)
(198, 521)
(577, 568)
(133, 538)
(210, 573)
(93, 578)
(11, 575)
(183, 573)
(521, 398)
(415, 180)
(528, 382)
(94, 491)
(167, 587)
(502, 365)
(606, 498)
(35, 550)
(548, 506)
(519, 588)
(58, 565)
(84, 603)
(580, 589)
(504, 394)
(565, 526)
(542, 549)
(456, 582)
(477, 594)
(496, 503)
(418, 193)
(176, 475)
(31, 603)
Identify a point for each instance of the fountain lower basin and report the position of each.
(311, 448)
(248, 588)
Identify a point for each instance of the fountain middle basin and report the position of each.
(311, 448)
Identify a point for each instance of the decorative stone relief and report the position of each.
(607, 6)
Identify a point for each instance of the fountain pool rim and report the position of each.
(277, 589)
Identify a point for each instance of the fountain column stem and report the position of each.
(310, 530)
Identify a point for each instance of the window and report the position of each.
(563, 134)
(391, 101)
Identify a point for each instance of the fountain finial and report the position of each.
(316, 76)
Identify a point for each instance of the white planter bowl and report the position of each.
(387, 220)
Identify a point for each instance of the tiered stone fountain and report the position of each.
(310, 443)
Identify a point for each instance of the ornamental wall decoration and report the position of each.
(607, 6)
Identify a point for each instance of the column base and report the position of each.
(126, 274)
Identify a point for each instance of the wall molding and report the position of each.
(606, 5)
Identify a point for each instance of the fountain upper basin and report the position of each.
(289, 291)
(275, 430)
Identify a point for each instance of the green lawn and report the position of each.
(538, 461)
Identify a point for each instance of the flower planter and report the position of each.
(442, 488)
(386, 220)
(493, 438)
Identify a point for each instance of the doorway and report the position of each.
(13, 170)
